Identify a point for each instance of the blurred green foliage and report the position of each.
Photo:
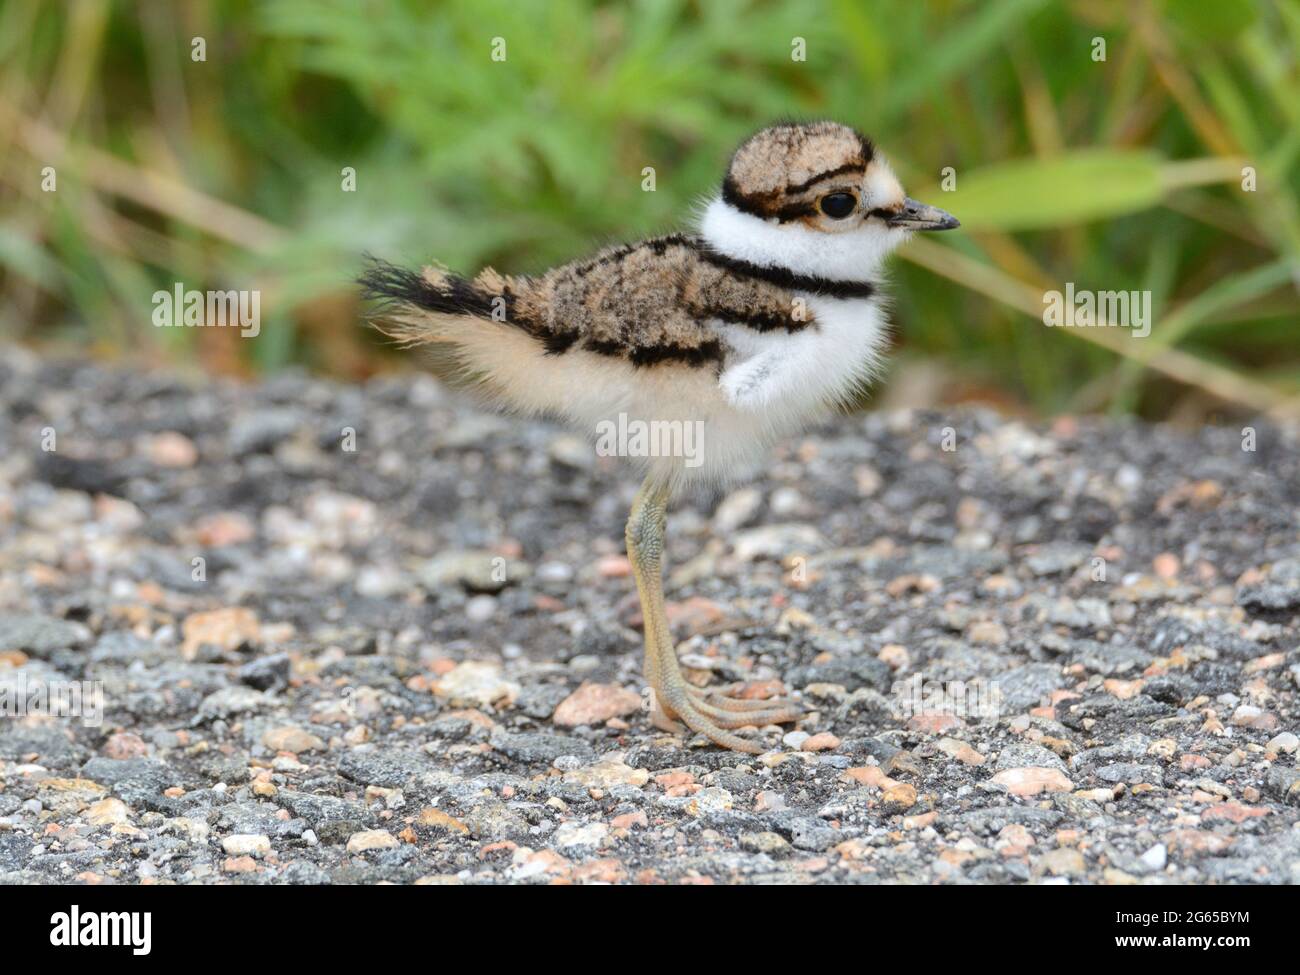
(228, 172)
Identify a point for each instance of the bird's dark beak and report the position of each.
(918, 216)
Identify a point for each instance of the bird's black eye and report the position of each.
(837, 206)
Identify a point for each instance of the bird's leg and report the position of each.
(708, 715)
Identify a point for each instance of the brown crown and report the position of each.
(774, 170)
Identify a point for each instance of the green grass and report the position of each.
(1116, 175)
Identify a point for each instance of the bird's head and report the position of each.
(817, 197)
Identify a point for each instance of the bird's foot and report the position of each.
(732, 711)
(717, 716)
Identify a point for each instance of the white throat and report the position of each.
(851, 256)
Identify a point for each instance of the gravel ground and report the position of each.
(361, 634)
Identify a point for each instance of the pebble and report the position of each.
(107, 812)
(777, 541)
(1030, 781)
(610, 771)
(1156, 857)
(476, 570)
(371, 839)
(572, 835)
(795, 739)
(1248, 716)
(821, 742)
(476, 683)
(593, 704)
(898, 798)
(961, 751)
(123, 744)
(481, 608)
(772, 844)
(1061, 862)
(736, 510)
(1286, 743)
(226, 629)
(290, 738)
(170, 449)
(710, 800)
(247, 844)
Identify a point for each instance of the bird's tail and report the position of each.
(488, 334)
(433, 305)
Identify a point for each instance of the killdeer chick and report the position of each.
(766, 318)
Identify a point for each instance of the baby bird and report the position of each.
(767, 317)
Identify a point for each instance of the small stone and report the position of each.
(1249, 716)
(223, 529)
(1118, 878)
(1014, 840)
(247, 844)
(868, 775)
(1032, 780)
(1156, 857)
(571, 835)
(123, 744)
(961, 751)
(1286, 742)
(476, 683)
(988, 632)
(1061, 862)
(821, 742)
(736, 510)
(435, 818)
(895, 655)
(568, 450)
(629, 820)
(1199, 842)
(1166, 566)
(107, 812)
(170, 449)
(371, 839)
(614, 567)
(607, 773)
(291, 738)
(593, 704)
(899, 797)
(795, 739)
(1123, 689)
(226, 629)
(474, 570)
(767, 842)
(1233, 812)
(934, 722)
(777, 541)
(710, 800)
(481, 608)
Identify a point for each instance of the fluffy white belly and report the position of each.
(775, 384)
